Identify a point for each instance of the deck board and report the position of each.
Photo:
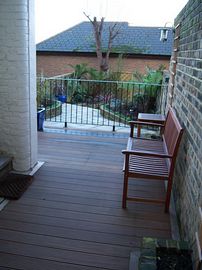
(71, 215)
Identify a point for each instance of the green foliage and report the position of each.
(83, 91)
(124, 49)
(149, 90)
(152, 76)
(78, 93)
(81, 71)
(77, 49)
(44, 95)
(97, 74)
(140, 97)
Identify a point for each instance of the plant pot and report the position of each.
(62, 98)
(161, 254)
(40, 119)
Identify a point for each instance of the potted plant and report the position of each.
(161, 254)
(41, 100)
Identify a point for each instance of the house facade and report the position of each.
(139, 46)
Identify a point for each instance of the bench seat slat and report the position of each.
(146, 145)
(143, 165)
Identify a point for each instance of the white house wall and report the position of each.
(18, 133)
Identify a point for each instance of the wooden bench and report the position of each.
(152, 159)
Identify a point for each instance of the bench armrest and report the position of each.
(132, 123)
(145, 153)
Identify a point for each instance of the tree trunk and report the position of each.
(103, 58)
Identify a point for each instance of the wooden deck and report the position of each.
(71, 216)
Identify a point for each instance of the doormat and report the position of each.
(12, 186)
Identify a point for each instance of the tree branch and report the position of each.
(98, 29)
(88, 17)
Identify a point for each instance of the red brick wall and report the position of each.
(51, 65)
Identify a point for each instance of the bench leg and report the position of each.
(168, 195)
(125, 190)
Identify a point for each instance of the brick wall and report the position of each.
(18, 136)
(187, 102)
(52, 65)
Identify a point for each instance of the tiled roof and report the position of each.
(131, 39)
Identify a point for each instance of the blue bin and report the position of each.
(62, 98)
(40, 119)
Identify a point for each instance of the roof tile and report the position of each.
(132, 39)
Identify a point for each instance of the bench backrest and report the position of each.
(172, 133)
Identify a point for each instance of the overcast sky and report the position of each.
(55, 16)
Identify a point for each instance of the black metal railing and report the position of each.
(92, 102)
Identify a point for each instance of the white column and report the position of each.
(18, 132)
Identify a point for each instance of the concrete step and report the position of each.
(5, 165)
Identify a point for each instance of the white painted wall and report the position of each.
(18, 132)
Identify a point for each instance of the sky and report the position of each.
(55, 16)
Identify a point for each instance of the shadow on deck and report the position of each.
(71, 216)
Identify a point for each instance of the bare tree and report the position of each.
(103, 57)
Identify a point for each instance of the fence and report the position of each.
(90, 102)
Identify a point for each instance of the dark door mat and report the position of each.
(12, 186)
